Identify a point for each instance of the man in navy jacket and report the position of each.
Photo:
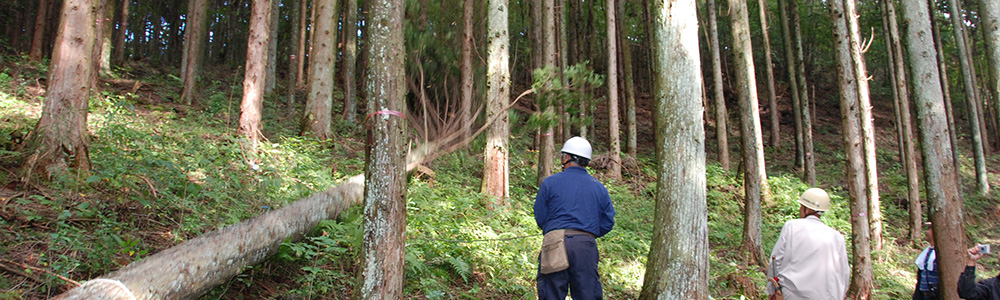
(575, 201)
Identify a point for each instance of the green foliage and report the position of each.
(572, 89)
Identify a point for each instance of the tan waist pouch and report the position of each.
(553, 258)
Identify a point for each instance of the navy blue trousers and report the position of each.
(580, 279)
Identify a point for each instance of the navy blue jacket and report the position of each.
(572, 199)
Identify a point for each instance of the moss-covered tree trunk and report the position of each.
(850, 111)
(61, 133)
(256, 64)
(678, 257)
(754, 176)
(496, 173)
(939, 168)
(385, 185)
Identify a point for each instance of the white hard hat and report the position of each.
(816, 199)
(578, 146)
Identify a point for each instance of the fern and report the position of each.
(461, 267)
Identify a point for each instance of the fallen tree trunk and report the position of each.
(192, 268)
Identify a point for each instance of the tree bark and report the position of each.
(755, 177)
(191, 269)
(38, 36)
(350, 58)
(272, 48)
(194, 48)
(721, 115)
(807, 156)
(946, 90)
(61, 133)
(547, 140)
(908, 149)
(793, 85)
(253, 80)
(626, 50)
(465, 106)
(496, 178)
(322, 57)
(772, 99)
(301, 49)
(104, 23)
(385, 185)
(939, 169)
(850, 110)
(293, 60)
(989, 12)
(615, 170)
(968, 76)
(678, 257)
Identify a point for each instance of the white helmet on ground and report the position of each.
(816, 199)
(578, 146)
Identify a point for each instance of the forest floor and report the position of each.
(165, 173)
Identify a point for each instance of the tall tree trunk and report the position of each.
(721, 115)
(755, 177)
(939, 172)
(808, 155)
(301, 47)
(61, 133)
(772, 99)
(537, 34)
(615, 170)
(322, 57)
(946, 90)
(385, 177)
(496, 178)
(989, 11)
(272, 49)
(253, 80)
(547, 140)
(867, 124)
(903, 98)
(194, 48)
(968, 76)
(793, 85)
(465, 106)
(38, 36)
(678, 254)
(850, 111)
(293, 59)
(105, 25)
(118, 47)
(350, 57)
(626, 50)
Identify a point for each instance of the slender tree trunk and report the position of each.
(322, 57)
(350, 58)
(38, 36)
(301, 49)
(721, 115)
(61, 133)
(118, 48)
(678, 258)
(465, 106)
(272, 49)
(989, 12)
(908, 147)
(194, 48)
(496, 178)
(946, 90)
(939, 172)
(793, 84)
(385, 177)
(968, 74)
(808, 155)
(538, 36)
(105, 25)
(755, 177)
(615, 170)
(772, 100)
(626, 50)
(867, 124)
(253, 80)
(851, 118)
(547, 147)
(293, 59)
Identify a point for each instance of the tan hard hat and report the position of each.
(816, 199)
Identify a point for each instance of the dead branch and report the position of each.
(70, 281)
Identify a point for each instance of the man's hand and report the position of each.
(974, 255)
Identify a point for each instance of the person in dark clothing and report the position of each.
(968, 288)
(927, 270)
(576, 202)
